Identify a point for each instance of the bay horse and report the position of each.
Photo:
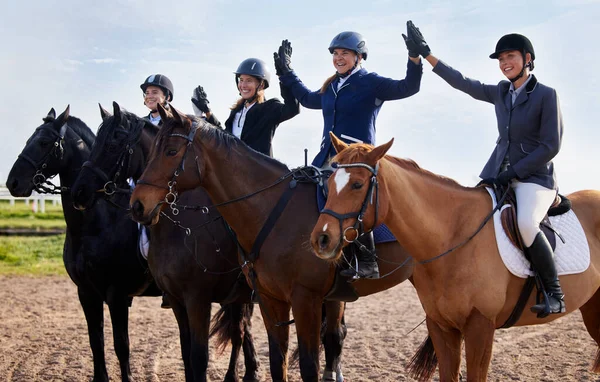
(98, 254)
(245, 187)
(464, 286)
(191, 256)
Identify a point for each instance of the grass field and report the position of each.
(31, 255)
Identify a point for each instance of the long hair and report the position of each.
(327, 83)
(260, 98)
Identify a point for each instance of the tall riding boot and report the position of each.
(364, 251)
(541, 257)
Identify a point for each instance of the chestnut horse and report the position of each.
(245, 186)
(194, 261)
(466, 292)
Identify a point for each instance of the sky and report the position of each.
(81, 53)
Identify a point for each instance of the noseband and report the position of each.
(42, 183)
(373, 191)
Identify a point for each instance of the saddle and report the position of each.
(508, 217)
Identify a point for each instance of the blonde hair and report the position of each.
(260, 98)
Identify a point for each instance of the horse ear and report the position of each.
(378, 152)
(61, 119)
(103, 112)
(51, 114)
(338, 144)
(163, 112)
(177, 116)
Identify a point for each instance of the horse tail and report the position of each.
(230, 322)
(423, 364)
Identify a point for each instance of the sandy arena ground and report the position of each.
(43, 337)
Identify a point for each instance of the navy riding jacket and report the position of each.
(351, 111)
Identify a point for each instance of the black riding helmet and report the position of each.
(352, 41)
(515, 41)
(161, 81)
(254, 67)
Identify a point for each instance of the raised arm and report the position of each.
(200, 106)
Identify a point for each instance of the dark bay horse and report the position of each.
(288, 275)
(194, 267)
(99, 255)
(466, 292)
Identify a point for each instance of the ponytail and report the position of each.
(327, 82)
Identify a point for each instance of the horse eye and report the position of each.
(356, 186)
(171, 152)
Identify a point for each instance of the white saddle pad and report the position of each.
(571, 257)
(144, 242)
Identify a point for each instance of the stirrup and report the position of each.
(542, 308)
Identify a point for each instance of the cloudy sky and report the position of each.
(83, 53)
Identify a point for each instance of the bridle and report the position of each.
(373, 192)
(110, 186)
(42, 183)
(171, 197)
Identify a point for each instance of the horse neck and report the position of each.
(80, 153)
(429, 214)
(232, 173)
(144, 145)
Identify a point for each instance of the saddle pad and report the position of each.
(381, 233)
(143, 241)
(571, 257)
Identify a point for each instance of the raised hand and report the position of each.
(200, 99)
(413, 50)
(415, 35)
(284, 56)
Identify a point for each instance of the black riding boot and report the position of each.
(364, 251)
(541, 257)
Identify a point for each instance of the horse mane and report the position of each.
(82, 130)
(359, 150)
(223, 138)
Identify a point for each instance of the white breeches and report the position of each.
(533, 202)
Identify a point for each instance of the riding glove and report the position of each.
(411, 46)
(200, 99)
(505, 177)
(283, 58)
(415, 34)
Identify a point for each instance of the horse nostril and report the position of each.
(323, 241)
(137, 208)
(12, 183)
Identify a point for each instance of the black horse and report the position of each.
(100, 250)
(191, 255)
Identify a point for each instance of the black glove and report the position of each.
(415, 34)
(283, 58)
(200, 99)
(505, 177)
(411, 46)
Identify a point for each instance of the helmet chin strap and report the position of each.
(522, 72)
(346, 74)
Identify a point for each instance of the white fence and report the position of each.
(37, 201)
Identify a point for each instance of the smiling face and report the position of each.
(511, 63)
(248, 86)
(344, 60)
(154, 96)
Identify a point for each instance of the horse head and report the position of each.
(116, 156)
(45, 155)
(173, 166)
(353, 203)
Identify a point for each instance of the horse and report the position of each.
(99, 255)
(250, 190)
(460, 278)
(194, 267)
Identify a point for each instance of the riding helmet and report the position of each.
(514, 41)
(254, 67)
(352, 41)
(162, 82)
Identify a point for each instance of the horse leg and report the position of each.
(199, 323)
(250, 357)
(229, 328)
(591, 317)
(93, 310)
(119, 315)
(333, 340)
(307, 309)
(479, 340)
(274, 312)
(181, 316)
(447, 345)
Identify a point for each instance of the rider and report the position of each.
(530, 127)
(252, 118)
(158, 89)
(350, 100)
